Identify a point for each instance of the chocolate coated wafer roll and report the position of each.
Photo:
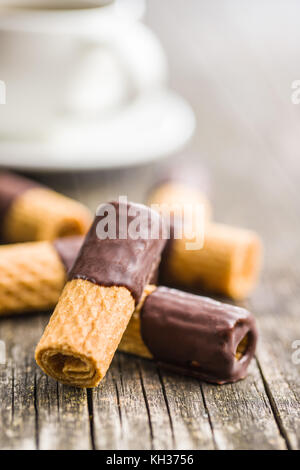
(228, 263)
(193, 335)
(105, 285)
(33, 274)
(32, 212)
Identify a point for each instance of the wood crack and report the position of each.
(208, 416)
(274, 408)
(146, 403)
(37, 437)
(167, 405)
(89, 394)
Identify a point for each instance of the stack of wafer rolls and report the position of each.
(32, 212)
(229, 261)
(192, 335)
(33, 274)
(105, 286)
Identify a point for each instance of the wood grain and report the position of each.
(235, 65)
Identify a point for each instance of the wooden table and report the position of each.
(247, 139)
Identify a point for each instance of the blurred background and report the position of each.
(204, 84)
(107, 101)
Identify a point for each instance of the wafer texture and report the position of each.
(131, 341)
(32, 277)
(84, 332)
(229, 262)
(42, 214)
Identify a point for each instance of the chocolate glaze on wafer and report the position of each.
(198, 336)
(123, 260)
(11, 187)
(68, 249)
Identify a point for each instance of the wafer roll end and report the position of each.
(246, 267)
(229, 262)
(173, 194)
(42, 214)
(32, 277)
(84, 332)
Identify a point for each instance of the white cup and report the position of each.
(81, 61)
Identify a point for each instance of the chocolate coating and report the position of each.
(197, 336)
(123, 260)
(68, 249)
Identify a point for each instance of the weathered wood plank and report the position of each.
(117, 408)
(280, 330)
(133, 425)
(37, 413)
(190, 418)
(18, 417)
(158, 406)
(107, 419)
(247, 146)
(6, 399)
(241, 415)
(18, 425)
(62, 416)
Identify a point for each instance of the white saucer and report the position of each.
(156, 124)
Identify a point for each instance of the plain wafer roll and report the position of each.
(105, 286)
(230, 259)
(172, 195)
(32, 212)
(33, 274)
(228, 264)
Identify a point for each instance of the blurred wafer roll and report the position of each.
(33, 274)
(105, 286)
(32, 212)
(178, 184)
(192, 335)
(230, 259)
(228, 264)
(173, 196)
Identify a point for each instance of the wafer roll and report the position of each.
(32, 275)
(173, 195)
(105, 286)
(228, 264)
(193, 335)
(178, 184)
(230, 259)
(32, 212)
